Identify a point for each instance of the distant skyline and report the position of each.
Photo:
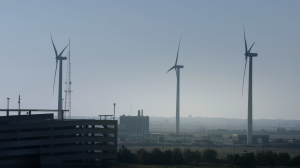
(121, 50)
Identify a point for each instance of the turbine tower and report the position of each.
(177, 70)
(68, 86)
(60, 58)
(250, 55)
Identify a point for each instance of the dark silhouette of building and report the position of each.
(33, 140)
(137, 123)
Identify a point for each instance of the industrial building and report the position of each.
(135, 124)
(256, 139)
(39, 139)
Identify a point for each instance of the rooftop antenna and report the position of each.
(250, 55)
(60, 59)
(177, 70)
(19, 104)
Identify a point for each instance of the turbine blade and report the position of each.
(53, 46)
(63, 51)
(54, 76)
(244, 76)
(171, 69)
(251, 47)
(177, 51)
(176, 72)
(245, 40)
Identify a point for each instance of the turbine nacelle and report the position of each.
(61, 58)
(178, 66)
(251, 54)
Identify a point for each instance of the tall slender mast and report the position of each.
(177, 102)
(249, 132)
(60, 113)
(68, 85)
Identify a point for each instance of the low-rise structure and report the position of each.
(256, 139)
(34, 140)
(135, 124)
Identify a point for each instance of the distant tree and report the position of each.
(157, 156)
(267, 158)
(167, 157)
(210, 155)
(246, 160)
(205, 141)
(197, 156)
(295, 161)
(177, 157)
(279, 140)
(177, 141)
(143, 156)
(233, 159)
(124, 155)
(188, 155)
(283, 159)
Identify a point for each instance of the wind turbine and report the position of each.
(177, 70)
(250, 55)
(60, 59)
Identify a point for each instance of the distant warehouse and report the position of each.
(137, 123)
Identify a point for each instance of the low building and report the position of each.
(281, 130)
(135, 124)
(161, 139)
(38, 140)
(202, 129)
(256, 139)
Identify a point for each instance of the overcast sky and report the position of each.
(121, 50)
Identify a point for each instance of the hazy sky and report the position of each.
(121, 50)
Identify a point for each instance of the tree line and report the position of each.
(209, 156)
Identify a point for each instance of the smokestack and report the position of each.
(142, 113)
(139, 113)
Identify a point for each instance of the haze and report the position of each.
(121, 50)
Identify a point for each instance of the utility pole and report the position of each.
(294, 145)
(159, 126)
(233, 149)
(263, 141)
(208, 141)
(184, 141)
(114, 110)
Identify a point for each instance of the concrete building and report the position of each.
(256, 139)
(135, 124)
(38, 140)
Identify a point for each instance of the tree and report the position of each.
(168, 157)
(177, 157)
(188, 155)
(233, 158)
(142, 156)
(197, 156)
(124, 155)
(246, 160)
(267, 158)
(295, 161)
(283, 159)
(210, 155)
(157, 156)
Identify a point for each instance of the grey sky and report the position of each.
(121, 50)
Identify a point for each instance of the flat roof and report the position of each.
(40, 110)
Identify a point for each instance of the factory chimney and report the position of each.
(139, 113)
